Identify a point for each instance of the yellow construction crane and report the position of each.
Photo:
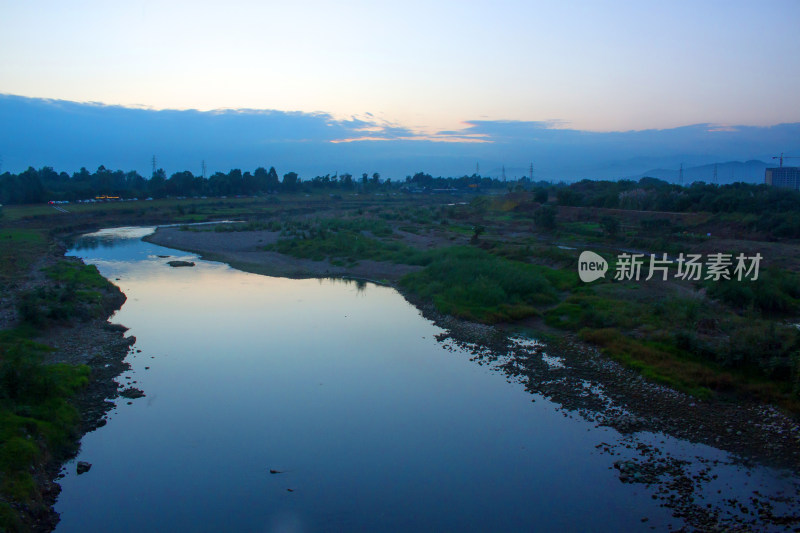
(782, 157)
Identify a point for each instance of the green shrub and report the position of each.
(545, 217)
(36, 418)
(775, 293)
(75, 296)
(476, 285)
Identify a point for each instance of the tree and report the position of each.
(31, 187)
(476, 232)
(157, 184)
(273, 183)
(567, 196)
(180, 183)
(291, 181)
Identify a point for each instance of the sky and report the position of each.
(429, 70)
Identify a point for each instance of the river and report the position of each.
(344, 390)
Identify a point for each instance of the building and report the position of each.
(784, 177)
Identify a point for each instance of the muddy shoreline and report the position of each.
(103, 350)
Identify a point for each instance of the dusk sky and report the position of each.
(428, 70)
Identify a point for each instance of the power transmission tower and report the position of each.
(477, 169)
(531, 173)
(204, 169)
(715, 174)
(504, 173)
(154, 165)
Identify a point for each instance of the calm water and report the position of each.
(342, 388)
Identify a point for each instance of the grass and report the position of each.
(663, 362)
(688, 342)
(776, 292)
(473, 284)
(77, 295)
(658, 361)
(464, 281)
(36, 419)
(349, 246)
(350, 240)
(70, 272)
(19, 248)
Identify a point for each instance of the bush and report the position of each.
(610, 225)
(767, 347)
(774, 293)
(476, 285)
(76, 296)
(36, 419)
(545, 217)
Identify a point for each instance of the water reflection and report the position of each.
(109, 238)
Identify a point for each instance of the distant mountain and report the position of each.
(729, 172)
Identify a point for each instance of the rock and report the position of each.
(626, 423)
(83, 467)
(180, 263)
(116, 327)
(131, 393)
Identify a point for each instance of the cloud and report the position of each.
(68, 135)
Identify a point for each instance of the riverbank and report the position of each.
(245, 251)
(60, 357)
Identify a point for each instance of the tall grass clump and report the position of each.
(473, 284)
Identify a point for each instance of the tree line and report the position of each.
(773, 210)
(651, 194)
(45, 184)
(647, 194)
